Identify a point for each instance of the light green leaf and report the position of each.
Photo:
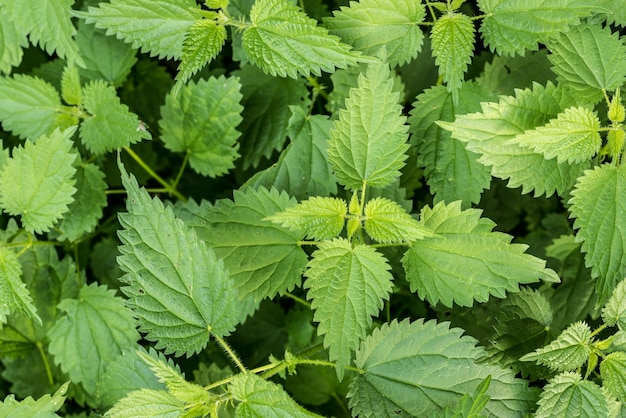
(569, 351)
(147, 403)
(388, 222)
(613, 372)
(369, 25)
(14, 295)
(470, 406)
(599, 205)
(488, 133)
(48, 24)
(203, 42)
(589, 59)
(12, 40)
(109, 125)
(318, 218)
(572, 137)
(302, 169)
(37, 182)
(368, 142)
(94, 332)
(347, 286)
(283, 41)
(71, 90)
(453, 37)
(178, 289)
(566, 395)
(263, 259)
(28, 106)
(614, 311)
(157, 26)
(512, 26)
(89, 201)
(201, 120)
(451, 170)
(465, 261)
(257, 397)
(418, 368)
(46, 406)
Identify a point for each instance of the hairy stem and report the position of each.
(46, 365)
(230, 352)
(168, 187)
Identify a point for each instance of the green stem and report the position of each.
(317, 87)
(599, 330)
(341, 404)
(182, 169)
(171, 190)
(230, 352)
(298, 299)
(46, 365)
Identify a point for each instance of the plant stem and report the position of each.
(182, 169)
(171, 190)
(230, 352)
(298, 299)
(46, 365)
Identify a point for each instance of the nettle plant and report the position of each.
(443, 234)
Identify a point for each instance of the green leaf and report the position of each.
(503, 74)
(569, 351)
(599, 205)
(368, 142)
(13, 292)
(48, 24)
(89, 200)
(176, 286)
(257, 397)
(572, 137)
(451, 170)
(488, 133)
(589, 59)
(614, 311)
(388, 222)
(512, 27)
(96, 328)
(71, 90)
(283, 41)
(347, 286)
(266, 101)
(46, 406)
(37, 182)
(370, 25)
(302, 169)
(613, 372)
(203, 42)
(465, 261)
(109, 125)
(147, 403)
(470, 406)
(157, 26)
(568, 396)
(319, 218)
(201, 120)
(418, 368)
(453, 37)
(28, 106)
(12, 40)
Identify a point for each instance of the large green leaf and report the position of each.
(37, 182)
(369, 25)
(347, 286)
(157, 26)
(284, 41)
(200, 120)
(599, 205)
(566, 395)
(415, 369)
(96, 328)
(465, 261)
(13, 292)
(12, 41)
(368, 141)
(179, 290)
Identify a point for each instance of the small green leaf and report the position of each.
(613, 372)
(37, 182)
(368, 142)
(283, 41)
(14, 295)
(201, 120)
(318, 218)
(572, 137)
(109, 125)
(257, 397)
(203, 42)
(569, 351)
(388, 222)
(176, 286)
(347, 286)
(566, 395)
(614, 311)
(369, 25)
(96, 328)
(44, 407)
(147, 403)
(71, 90)
(470, 406)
